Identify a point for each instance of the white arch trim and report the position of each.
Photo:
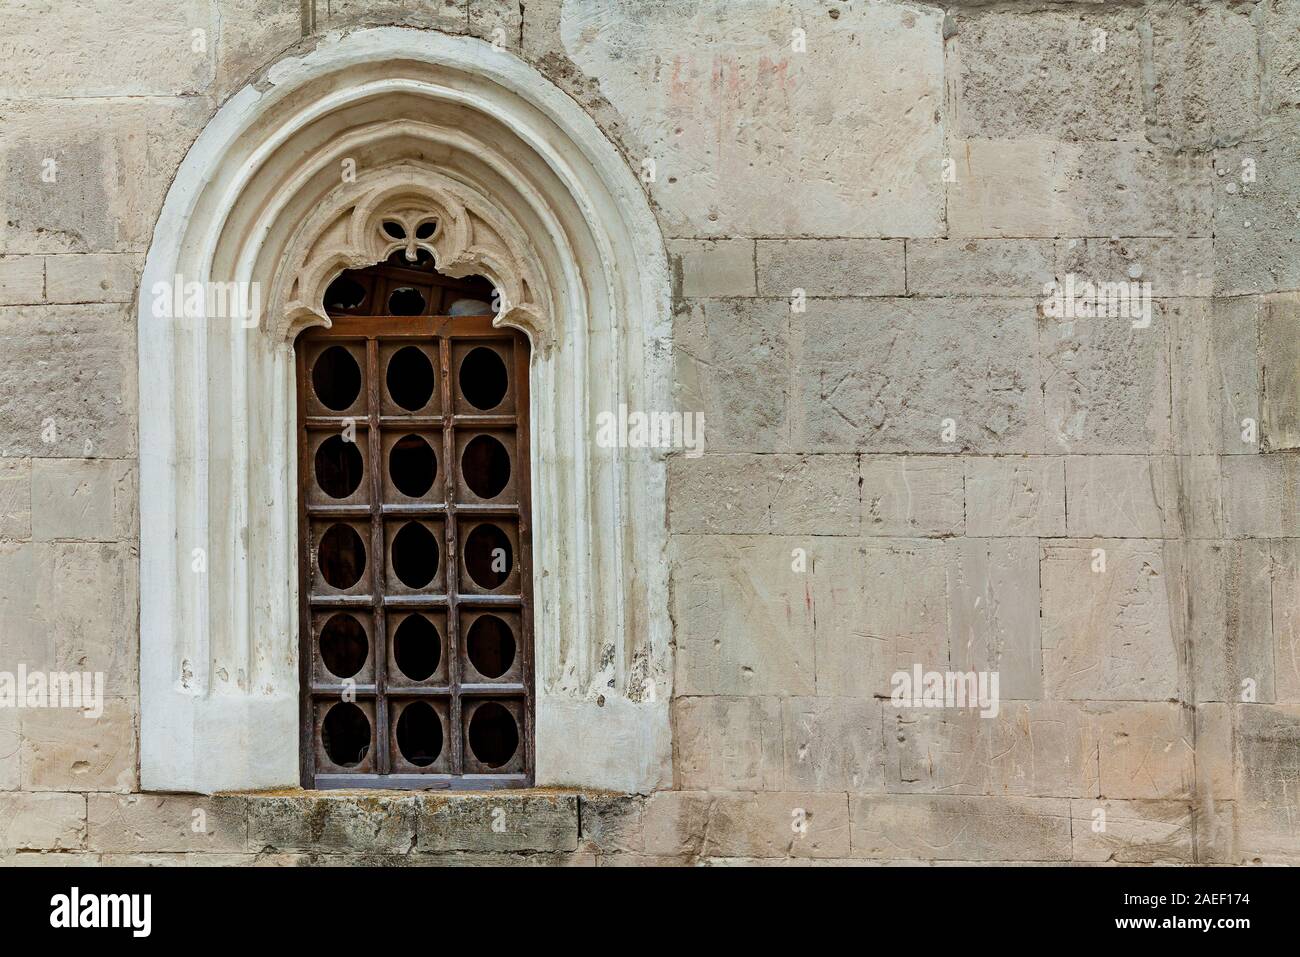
(527, 191)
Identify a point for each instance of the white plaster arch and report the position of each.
(529, 192)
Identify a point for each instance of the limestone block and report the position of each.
(833, 744)
(1216, 834)
(446, 15)
(1175, 267)
(88, 500)
(93, 277)
(472, 823)
(744, 616)
(1279, 351)
(674, 822)
(1028, 749)
(611, 823)
(892, 375)
(144, 823)
(733, 362)
(1112, 634)
(63, 750)
(50, 859)
(1268, 773)
(22, 280)
(1106, 384)
(1121, 496)
(1041, 187)
(752, 137)
(1016, 268)
(728, 743)
(51, 821)
(993, 613)
(831, 267)
(1285, 605)
(1217, 383)
(500, 22)
(10, 749)
(252, 34)
(1229, 620)
(1132, 832)
(878, 607)
(1255, 195)
(72, 385)
(1261, 495)
(722, 494)
(1215, 752)
(1015, 495)
(707, 269)
(815, 494)
(1146, 750)
(1199, 480)
(1044, 73)
(15, 499)
(332, 824)
(912, 495)
(1280, 79)
(122, 49)
(956, 828)
(1205, 84)
(778, 825)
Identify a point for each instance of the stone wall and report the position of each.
(907, 461)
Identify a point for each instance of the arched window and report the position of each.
(415, 578)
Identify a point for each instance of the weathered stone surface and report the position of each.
(86, 500)
(11, 740)
(1255, 236)
(143, 823)
(891, 375)
(1063, 75)
(448, 15)
(833, 744)
(481, 823)
(744, 616)
(728, 743)
(1279, 351)
(500, 22)
(706, 269)
(1261, 495)
(831, 267)
(63, 750)
(1132, 832)
(1285, 610)
(93, 277)
(953, 828)
(778, 825)
(72, 373)
(611, 823)
(751, 137)
(993, 613)
(15, 499)
(1217, 383)
(42, 821)
(1017, 268)
(674, 822)
(22, 280)
(1268, 780)
(1015, 495)
(1215, 752)
(380, 824)
(1174, 267)
(1146, 750)
(912, 495)
(1281, 57)
(252, 33)
(1229, 620)
(1113, 634)
(1121, 496)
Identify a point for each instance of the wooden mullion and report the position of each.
(378, 557)
(523, 445)
(451, 473)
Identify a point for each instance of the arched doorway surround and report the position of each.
(282, 191)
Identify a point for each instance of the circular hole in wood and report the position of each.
(338, 467)
(345, 733)
(483, 379)
(410, 378)
(417, 647)
(491, 646)
(493, 736)
(488, 556)
(406, 301)
(341, 556)
(485, 463)
(336, 378)
(343, 645)
(415, 555)
(344, 293)
(412, 466)
(419, 734)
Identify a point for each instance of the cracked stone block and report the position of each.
(70, 384)
(733, 360)
(711, 269)
(1028, 749)
(1067, 75)
(901, 375)
(1216, 833)
(326, 824)
(15, 499)
(22, 280)
(917, 827)
(1016, 268)
(50, 821)
(1285, 609)
(1015, 496)
(728, 743)
(500, 22)
(1112, 634)
(744, 616)
(778, 825)
(484, 823)
(1215, 752)
(92, 277)
(446, 15)
(752, 137)
(878, 607)
(1261, 495)
(144, 823)
(1279, 351)
(1217, 384)
(1146, 750)
(833, 744)
(1132, 832)
(611, 823)
(993, 613)
(65, 750)
(88, 500)
(1121, 496)
(831, 267)
(912, 495)
(1230, 620)
(1268, 773)
(674, 823)
(1174, 267)
(1256, 197)
(815, 494)
(253, 33)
